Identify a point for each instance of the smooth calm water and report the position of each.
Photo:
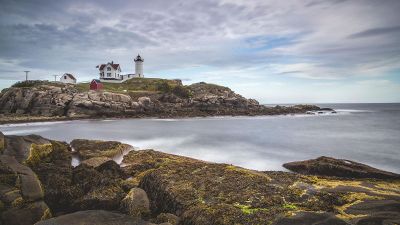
(368, 133)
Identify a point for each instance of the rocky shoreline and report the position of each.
(38, 185)
(57, 102)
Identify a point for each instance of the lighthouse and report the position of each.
(138, 66)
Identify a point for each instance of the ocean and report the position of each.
(366, 133)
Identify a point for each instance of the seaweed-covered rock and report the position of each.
(94, 148)
(2, 142)
(31, 188)
(327, 166)
(209, 193)
(27, 214)
(52, 165)
(166, 218)
(303, 218)
(111, 169)
(102, 197)
(101, 190)
(96, 161)
(136, 203)
(94, 217)
(19, 146)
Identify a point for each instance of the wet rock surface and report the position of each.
(170, 189)
(94, 217)
(327, 166)
(87, 149)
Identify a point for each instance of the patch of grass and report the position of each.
(35, 83)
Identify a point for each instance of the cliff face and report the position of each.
(199, 99)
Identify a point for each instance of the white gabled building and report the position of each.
(68, 78)
(109, 71)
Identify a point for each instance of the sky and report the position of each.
(293, 51)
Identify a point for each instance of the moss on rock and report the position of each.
(38, 153)
(95, 148)
(2, 143)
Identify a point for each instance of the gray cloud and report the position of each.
(58, 36)
(376, 32)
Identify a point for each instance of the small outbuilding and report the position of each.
(96, 85)
(68, 78)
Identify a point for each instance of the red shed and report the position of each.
(96, 85)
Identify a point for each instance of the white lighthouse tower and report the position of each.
(139, 66)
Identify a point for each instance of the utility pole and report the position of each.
(55, 78)
(26, 74)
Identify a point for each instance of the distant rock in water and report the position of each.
(327, 166)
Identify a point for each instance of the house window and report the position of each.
(108, 74)
(108, 68)
(65, 77)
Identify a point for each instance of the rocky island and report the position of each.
(38, 185)
(142, 97)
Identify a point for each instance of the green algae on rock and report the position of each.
(95, 148)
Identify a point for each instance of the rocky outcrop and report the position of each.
(21, 194)
(64, 101)
(327, 166)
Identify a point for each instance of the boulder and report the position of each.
(327, 166)
(167, 218)
(94, 148)
(94, 217)
(19, 146)
(136, 203)
(31, 188)
(28, 214)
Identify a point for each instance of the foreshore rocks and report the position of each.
(152, 187)
(50, 101)
(327, 166)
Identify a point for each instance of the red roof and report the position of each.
(115, 66)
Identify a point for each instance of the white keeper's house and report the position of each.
(111, 72)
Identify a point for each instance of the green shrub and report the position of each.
(164, 87)
(182, 91)
(28, 83)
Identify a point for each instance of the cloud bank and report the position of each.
(260, 48)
